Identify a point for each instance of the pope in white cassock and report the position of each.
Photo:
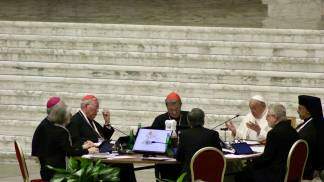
(254, 125)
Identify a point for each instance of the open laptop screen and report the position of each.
(151, 141)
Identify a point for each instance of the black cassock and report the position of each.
(169, 171)
(193, 139)
(52, 144)
(271, 165)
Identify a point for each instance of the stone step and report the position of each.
(131, 68)
(163, 46)
(35, 84)
(162, 32)
(7, 143)
(22, 127)
(164, 74)
(124, 118)
(162, 59)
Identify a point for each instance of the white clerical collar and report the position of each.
(302, 126)
(85, 117)
(94, 125)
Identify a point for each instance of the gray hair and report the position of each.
(48, 110)
(196, 117)
(87, 102)
(278, 110)
(59, 113)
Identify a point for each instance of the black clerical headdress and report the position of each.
(312, 104)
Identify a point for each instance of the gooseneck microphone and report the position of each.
(119, 130)
(237, 115)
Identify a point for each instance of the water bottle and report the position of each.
(139, 125)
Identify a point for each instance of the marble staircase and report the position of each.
(131, 68)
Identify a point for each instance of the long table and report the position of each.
(131, 159)
(114, 158)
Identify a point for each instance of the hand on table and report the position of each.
(88, 144)
(93, 150)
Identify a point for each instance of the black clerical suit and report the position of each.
(193, 139)
(162, 170)
(159, 121)
(55, 145)
(38, 138)
(308, 132)
(82, 131)
(320, 143)
(271, 165)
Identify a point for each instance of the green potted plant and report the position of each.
(84, 170)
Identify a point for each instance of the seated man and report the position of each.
(39, 132)
(271, 165)
(173, 104)
(254, 125)
(83, 127)
(54, 143)
(195, 138)
(311, 130)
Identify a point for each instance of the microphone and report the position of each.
(237, 115)
(119, 130)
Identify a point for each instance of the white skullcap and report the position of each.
(258, 98)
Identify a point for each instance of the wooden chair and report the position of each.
(296, 161)
(22, 164)
(208, 164)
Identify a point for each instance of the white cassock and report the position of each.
(243, 132)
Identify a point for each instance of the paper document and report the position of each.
(159, 158)
(258, 148)
(98, 155)
(252, 142)
(121, 157)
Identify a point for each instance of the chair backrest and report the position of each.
(208, 164)
(296, 161)
(22, 162)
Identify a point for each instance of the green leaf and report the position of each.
(84, 162)
(57, 170)
(71, 180)
(182, 176)
(59, 177)
(79, 172)
(73, 164)
(84, 170)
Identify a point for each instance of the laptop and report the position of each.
(151, 141)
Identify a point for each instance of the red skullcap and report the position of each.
(53, 101)
(89, 97)
(173, 96)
